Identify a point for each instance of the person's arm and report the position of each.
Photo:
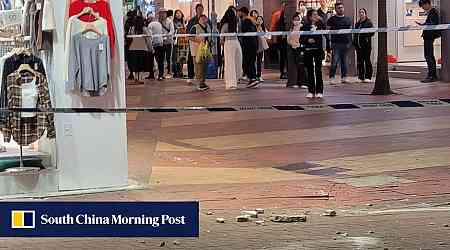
(434, 18)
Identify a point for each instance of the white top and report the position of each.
(48, 16)
(29, 97)
(155, 28)
(75, 26)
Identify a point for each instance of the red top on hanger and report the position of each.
(100, 6)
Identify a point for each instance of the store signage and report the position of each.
(99, 219)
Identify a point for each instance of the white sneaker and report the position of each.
(309, 95)
(304, 87)
(367, 81)
(319, 95)
(345, 80)
(243, 80)
(261, 79)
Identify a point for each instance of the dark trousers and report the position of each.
(168, 56)
(190, 66)
(296, 68)
(159, 54)
(339, 56)
(429, 57)
(282, 48)
(151, 73)
(249, 61)
(313, 63)
(365, 69)
(259, 61)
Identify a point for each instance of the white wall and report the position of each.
(91, 148)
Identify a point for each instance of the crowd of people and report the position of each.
(242, 56)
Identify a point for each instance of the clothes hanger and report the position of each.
(91, 28)
(89, 11)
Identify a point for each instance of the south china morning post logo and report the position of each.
(99, 219)
(21, 219)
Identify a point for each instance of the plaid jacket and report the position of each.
(28, 130)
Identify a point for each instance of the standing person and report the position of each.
(200, 67)
(340, 44)
(181, 48)
(296, 69)
(168, 32)
(199, 9)
(363, 45)
(260, 27)
(232, 50)
(129, 30)
(313, 46)
(429, 36)
(278, 24)
(155, 29)
(249, 47)
(325, 13)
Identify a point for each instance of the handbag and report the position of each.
(262, 44)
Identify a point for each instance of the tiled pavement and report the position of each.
(288, 161)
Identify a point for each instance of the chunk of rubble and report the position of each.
(260, 222)
(252, 214)
(330, 213)
(243, 218)
(220, 220)
(259, 211)
(288, 218)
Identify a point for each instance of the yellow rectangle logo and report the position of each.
(22, 219)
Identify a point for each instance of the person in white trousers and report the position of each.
(232, 50)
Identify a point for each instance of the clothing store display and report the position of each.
(38, 22)
(101, 7)
(89, 64)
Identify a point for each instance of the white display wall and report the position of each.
(91, 148)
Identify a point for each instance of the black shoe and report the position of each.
(203, 87)
(283, 76)
(253, 83)
(429, 80)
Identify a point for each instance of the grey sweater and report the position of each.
(89, 64)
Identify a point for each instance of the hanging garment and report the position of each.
(103, 8)
(10, 66)
(75, 26)
(30, 129)
(89, 64)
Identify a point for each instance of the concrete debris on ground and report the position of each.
(162, 244)
(243, 218)
(260, 222)
(259, 211)
(220, 220)
(209, 213)
(175, 242)
(330, 213)
(446, 225)
(252, 214)
(288, 218)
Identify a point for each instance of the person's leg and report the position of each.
(343, 61)
(230, 69)
(318, 58)
(360, 63)
(252, 63)
(168, 52)
(259, 60)
(335, 58)
(429, 57)
(159, 54)
(190, 66)
(368, 64)
(151, 73)
(283, 57)
(309, 64)
(245, 60)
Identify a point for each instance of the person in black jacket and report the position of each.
(314, 54)
(428, 37)
(249, 46)
(363, 45)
